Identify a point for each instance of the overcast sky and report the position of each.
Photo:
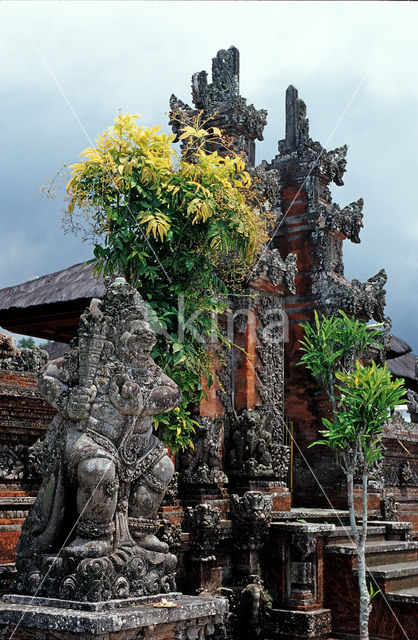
(69, 67)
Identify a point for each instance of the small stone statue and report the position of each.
(90, 534)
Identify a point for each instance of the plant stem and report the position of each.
(332, 394)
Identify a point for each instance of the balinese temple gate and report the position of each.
(263, 551)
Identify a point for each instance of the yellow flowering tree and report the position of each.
(182, 229)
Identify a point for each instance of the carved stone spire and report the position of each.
(225, 80)
(222, 105)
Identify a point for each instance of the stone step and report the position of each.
(397, 577)
(343, 534)
(394, 530)
(379, 552)
(324, 516)
(407, 595)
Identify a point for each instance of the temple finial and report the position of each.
(297, 124)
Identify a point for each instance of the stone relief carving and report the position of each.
(270, 365)
(266, 180)
(170, 534)
(332, 164)
(347, 221)
(251, 515)
(304, 544)
(271, 265)
(203, 464)
(248, 608)
(171, 497)
(202, 522)
(359, 299)
(19, 462)
(254, 451)
(413, 405)
(406, 473)
(369, 296)
(91, 531)
(12, 464)
(200, 629)
(389, 508)
(31, 360)
(376, 475)
(225, 374)
(391, 475)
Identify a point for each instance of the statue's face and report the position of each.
(138, 343)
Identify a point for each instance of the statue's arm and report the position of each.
(51, 387)
(73, 402)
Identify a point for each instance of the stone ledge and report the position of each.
(191, 610)
(383, 546)
(312, 625)
(394, 570)
(409, 596)
(303, 527)
(76, 605)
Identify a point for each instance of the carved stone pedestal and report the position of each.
(27, 618)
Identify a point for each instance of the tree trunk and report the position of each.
(365, 605)
(360, 542)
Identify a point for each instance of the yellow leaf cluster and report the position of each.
(158, 223)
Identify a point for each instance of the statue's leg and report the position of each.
(145, 500)
(96, 505)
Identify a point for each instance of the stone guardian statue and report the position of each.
(90, 534)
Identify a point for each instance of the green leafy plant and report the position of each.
(182, 229)
(362, 397)
(372, 591)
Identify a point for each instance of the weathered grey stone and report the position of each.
(90, 534)
(389, 508)
(202, 522)
(136, 617)
(300, 624)
(26, 360)
(256, 450)
(222, 105)
(203, 464)
(251, 515)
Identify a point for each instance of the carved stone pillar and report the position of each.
(251, 518)
(303, 558)
(202, 523)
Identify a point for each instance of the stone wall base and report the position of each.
(27, 618)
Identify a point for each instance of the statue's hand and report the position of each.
(125, 396)
(130, 390)
(49, 387)
(79, 402)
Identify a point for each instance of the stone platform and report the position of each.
(26, 617)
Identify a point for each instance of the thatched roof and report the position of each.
(73, 283)
(50, 306)
(401, 362)
(397, 347)
(404, 367)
